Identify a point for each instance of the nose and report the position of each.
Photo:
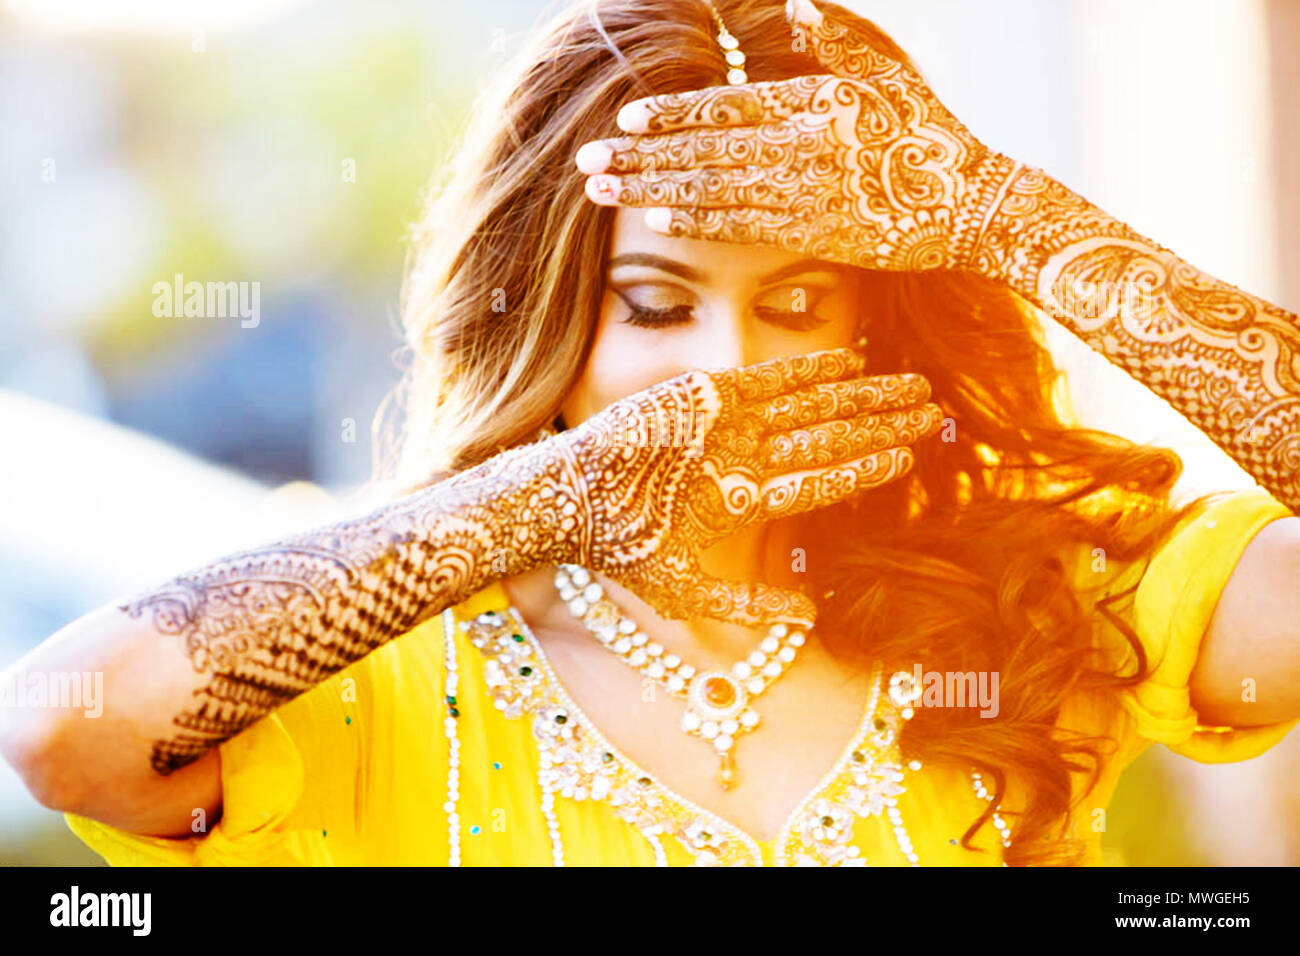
(728, 340)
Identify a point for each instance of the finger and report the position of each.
(801, 140)
(713, 186)
(843, 440)
(832, 236)
(775, 376)
(743, 105)
(802, 491)
(842, 48)
(746, 603)
(824, 401)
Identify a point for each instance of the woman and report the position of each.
(713, 487)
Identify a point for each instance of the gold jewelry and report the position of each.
(717, 702)
(730, 50)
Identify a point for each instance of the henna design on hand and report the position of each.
(866, 166)
(266, 624)
(263, 625)
(764, 451)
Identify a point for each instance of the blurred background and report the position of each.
(286, 143)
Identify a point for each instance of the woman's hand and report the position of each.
(672, 469)
(868, 168)
(864, 166)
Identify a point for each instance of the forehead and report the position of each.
(722, 262)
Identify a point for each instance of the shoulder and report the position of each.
(1175, 607)
(1248, 666)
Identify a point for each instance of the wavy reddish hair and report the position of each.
(965, 564)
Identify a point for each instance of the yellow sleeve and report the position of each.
(270, 815)
(1172, 607)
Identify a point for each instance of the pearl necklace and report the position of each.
(717, 702)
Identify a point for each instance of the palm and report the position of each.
(675, 468)
(863, 166)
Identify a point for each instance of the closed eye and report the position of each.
(681, 313)
(655, 318)
(790, 319)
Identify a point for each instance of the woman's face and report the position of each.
(672, 305)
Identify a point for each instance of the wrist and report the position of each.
(531, 504)
(989, 182)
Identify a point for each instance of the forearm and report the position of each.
(1227, 360)
(191, 663)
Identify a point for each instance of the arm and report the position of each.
(190, 664)
(1227, 360)
(1254, 634)
(864, 165)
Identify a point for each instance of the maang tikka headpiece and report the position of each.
(730, 50)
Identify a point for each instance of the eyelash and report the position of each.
(655, 318)
(648, 318)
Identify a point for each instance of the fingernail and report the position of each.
(593, 157)
(632, 118)
(603, 190)
(802, 10)
(659, 219)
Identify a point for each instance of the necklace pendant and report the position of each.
(715, 695)
(727, 776)
(717, 701)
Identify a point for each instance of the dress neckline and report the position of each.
(836, 768)
(864, 778)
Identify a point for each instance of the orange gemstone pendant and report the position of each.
(719, 692)
(718, 707)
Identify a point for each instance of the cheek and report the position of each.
(624, 359)
(841, 309)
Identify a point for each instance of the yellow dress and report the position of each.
(371, 767)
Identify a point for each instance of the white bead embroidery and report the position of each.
(818, 833)
(577, 761)
(661, 857)
(552, 826)
(981, 791)
(453, 740)
(866, 782)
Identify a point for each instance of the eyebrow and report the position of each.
(663, 264)
(690, 274)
